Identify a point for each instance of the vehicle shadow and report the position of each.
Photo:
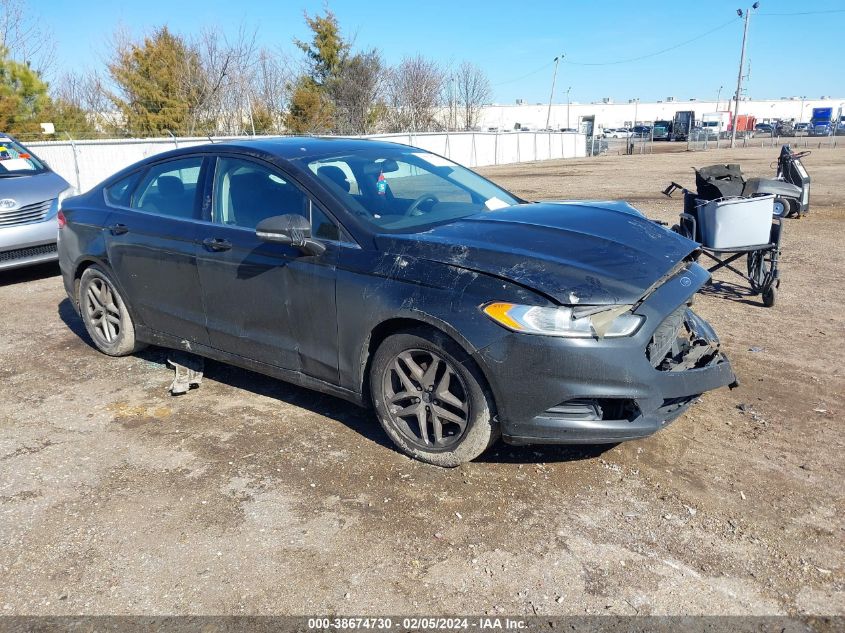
(501, 453)
(732, 292)
(357, 419)
(29, 273)
(73, 321)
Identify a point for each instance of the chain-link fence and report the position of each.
(699, 140)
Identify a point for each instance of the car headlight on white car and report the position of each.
(586, 322)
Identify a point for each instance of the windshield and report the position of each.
(404, 189)
(16, 159)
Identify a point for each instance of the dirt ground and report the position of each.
(249, 496)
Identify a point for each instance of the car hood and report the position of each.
(31, 189)
(576, 252)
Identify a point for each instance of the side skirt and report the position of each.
(146, 335)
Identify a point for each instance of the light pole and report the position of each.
(551, 96)
(801, 117)
(747, 16)
(718, 97)
(567, 108)
(636, 103)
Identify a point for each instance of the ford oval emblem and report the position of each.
(8, 203)
(686, 282)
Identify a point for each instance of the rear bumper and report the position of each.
(576, 391)
(27, 244)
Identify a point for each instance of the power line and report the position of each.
(656, 53)
(533, 72)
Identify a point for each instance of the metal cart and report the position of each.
(762, 272)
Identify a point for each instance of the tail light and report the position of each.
(60, 216)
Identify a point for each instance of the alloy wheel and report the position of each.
(426, 399)
(103, 312)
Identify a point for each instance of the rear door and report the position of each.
(151, 246)
(267, 302)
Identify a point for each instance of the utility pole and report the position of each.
(741, 65)
(636, 103)
(551, 96)
(567, 108)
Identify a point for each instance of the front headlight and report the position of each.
(583, 322)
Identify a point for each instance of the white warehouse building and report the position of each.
(607, 114)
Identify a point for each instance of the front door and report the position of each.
(150, 240)
(266, 302)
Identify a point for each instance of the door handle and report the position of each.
(118, 229)
(216, 244)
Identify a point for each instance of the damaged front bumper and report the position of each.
(579, 391)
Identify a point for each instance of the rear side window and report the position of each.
(170, 188)
(120, 193)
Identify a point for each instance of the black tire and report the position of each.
(105, 315)
(794, 208)
(403, 362)
(769, 297)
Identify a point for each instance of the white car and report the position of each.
(618, 133)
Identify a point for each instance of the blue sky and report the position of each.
(515, 42)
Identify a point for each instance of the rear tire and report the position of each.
(431, 399)
(781, 207)
(105, 315)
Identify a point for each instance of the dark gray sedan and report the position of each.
(391, 276)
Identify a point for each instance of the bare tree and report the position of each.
(246, 87)
(472, 89)
(25, 38)
(414, 89)
(358, 93)
(271, 83)
(87, 92)
(451, 102)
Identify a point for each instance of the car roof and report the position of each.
(291, 147)
(284, 148)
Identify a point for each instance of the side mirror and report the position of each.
(292, 229)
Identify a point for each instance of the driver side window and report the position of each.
(246, 193)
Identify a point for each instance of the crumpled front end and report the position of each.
(571, 391)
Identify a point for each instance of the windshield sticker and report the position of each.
(433, 159)
(494, 203)
(14, 164)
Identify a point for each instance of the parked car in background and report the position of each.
(383, 273)
(641, 130)
(30, 195)
(802, 127)
(616, 133)
(764, 128)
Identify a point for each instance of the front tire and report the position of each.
(104, 313)
(430, 398)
